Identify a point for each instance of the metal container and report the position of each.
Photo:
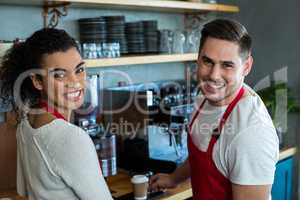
(106, 149)
(85, 117)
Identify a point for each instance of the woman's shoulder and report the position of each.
(65, 125)
(65, 140)
(62, 128)
(65, 144)
(60, 134)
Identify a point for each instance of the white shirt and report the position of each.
(248, 149)
(58, 161)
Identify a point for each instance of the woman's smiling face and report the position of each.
(64, 82)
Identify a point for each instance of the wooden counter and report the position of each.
(12, 195)
(120, 185)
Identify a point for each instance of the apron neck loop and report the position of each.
(44, 105)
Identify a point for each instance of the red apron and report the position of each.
(207, 182)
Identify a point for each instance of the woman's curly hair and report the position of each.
(28, 55)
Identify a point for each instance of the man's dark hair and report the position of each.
(229, 30)
(26, 56)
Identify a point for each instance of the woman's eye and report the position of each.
(80, 70)
(59, 75)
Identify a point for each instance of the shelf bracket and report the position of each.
(52, 12)
(195, 20)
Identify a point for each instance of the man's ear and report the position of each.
(248, 65)
(36, 81)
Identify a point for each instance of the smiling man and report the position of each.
(233, 146)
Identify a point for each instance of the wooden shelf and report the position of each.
(156, 5)
(150, 5)
(135, 60)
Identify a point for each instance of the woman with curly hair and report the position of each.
(44, 79)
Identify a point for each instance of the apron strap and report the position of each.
(230, 107)
(196, 114)
(51, 110)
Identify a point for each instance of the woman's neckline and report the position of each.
(46, 125)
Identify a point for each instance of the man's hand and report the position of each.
(161, 182)
(251, 192)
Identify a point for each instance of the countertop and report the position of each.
(120, 184)
(287, 152)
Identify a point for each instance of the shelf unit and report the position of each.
(186, 7)
(134, 60)
(150, 5)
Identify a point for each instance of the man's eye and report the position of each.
(208, 62)
(226, 65)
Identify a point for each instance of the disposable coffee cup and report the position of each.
(140, 185)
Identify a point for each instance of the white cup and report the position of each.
(140, 185)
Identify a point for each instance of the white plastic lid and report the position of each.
(136, 179)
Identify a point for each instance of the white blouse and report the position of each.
(58, 161)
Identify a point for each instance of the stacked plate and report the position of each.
(92, 30)
(115, 26)
(151, 36)
(135, 37)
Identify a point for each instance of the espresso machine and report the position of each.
(151, 123)
(86, 118)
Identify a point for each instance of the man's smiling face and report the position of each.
(221, 70)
